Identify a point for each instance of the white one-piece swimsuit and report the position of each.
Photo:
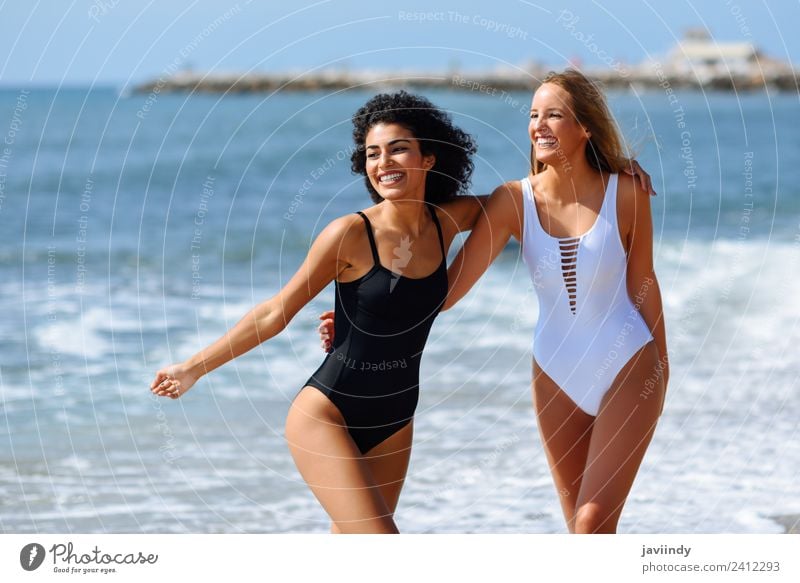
(588, 327)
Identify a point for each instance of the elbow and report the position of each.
(270, 320)
(642, 286)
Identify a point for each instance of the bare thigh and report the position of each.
(388, 463)
(333, 467)
(621, 434)
(566, 433)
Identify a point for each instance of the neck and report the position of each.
(570, 177)
(409, 215)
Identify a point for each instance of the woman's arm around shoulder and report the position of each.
(500, 218)
(460, 213)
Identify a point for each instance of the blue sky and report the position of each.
(125, 41)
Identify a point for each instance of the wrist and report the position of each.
(195, 366)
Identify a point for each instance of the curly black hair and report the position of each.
(436, 134)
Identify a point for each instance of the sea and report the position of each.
(135, 229)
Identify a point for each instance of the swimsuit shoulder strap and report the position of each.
(372, 245)
(438, 229)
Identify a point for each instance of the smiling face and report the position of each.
(395, 165)
(555, 133)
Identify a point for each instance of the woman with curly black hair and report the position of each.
(350, 428)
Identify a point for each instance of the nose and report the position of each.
(385, 157)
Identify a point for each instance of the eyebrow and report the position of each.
(548, 109)
(392, 143)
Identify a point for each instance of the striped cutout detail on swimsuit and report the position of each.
(569, 265)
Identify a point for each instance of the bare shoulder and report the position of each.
(343, 234)
(509, 191)
(506, 209)
(632, 200)
(507, 199)
(342, 227)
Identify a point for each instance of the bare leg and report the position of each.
(388, 463)
(566, 432)
(333, 467)
(620, 435)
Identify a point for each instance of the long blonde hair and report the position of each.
(605, 150)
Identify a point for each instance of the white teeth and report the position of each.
(391, 177)
(545, 142)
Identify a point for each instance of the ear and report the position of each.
(429, 162)
(587, 132)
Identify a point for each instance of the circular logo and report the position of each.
(31, 556)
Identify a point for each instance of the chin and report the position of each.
(548, 158)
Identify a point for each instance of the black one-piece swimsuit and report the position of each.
(382, 321)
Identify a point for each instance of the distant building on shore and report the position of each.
(710, 62)
(701, 55)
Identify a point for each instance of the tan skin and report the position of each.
(594, 460)
(359, 492)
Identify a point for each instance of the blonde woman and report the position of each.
(600, 364)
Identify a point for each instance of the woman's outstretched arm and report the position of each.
(322, 264)
(500, 219)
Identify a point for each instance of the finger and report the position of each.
(170, 391)
(640, 175)
(326, 315)
(157, 380)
